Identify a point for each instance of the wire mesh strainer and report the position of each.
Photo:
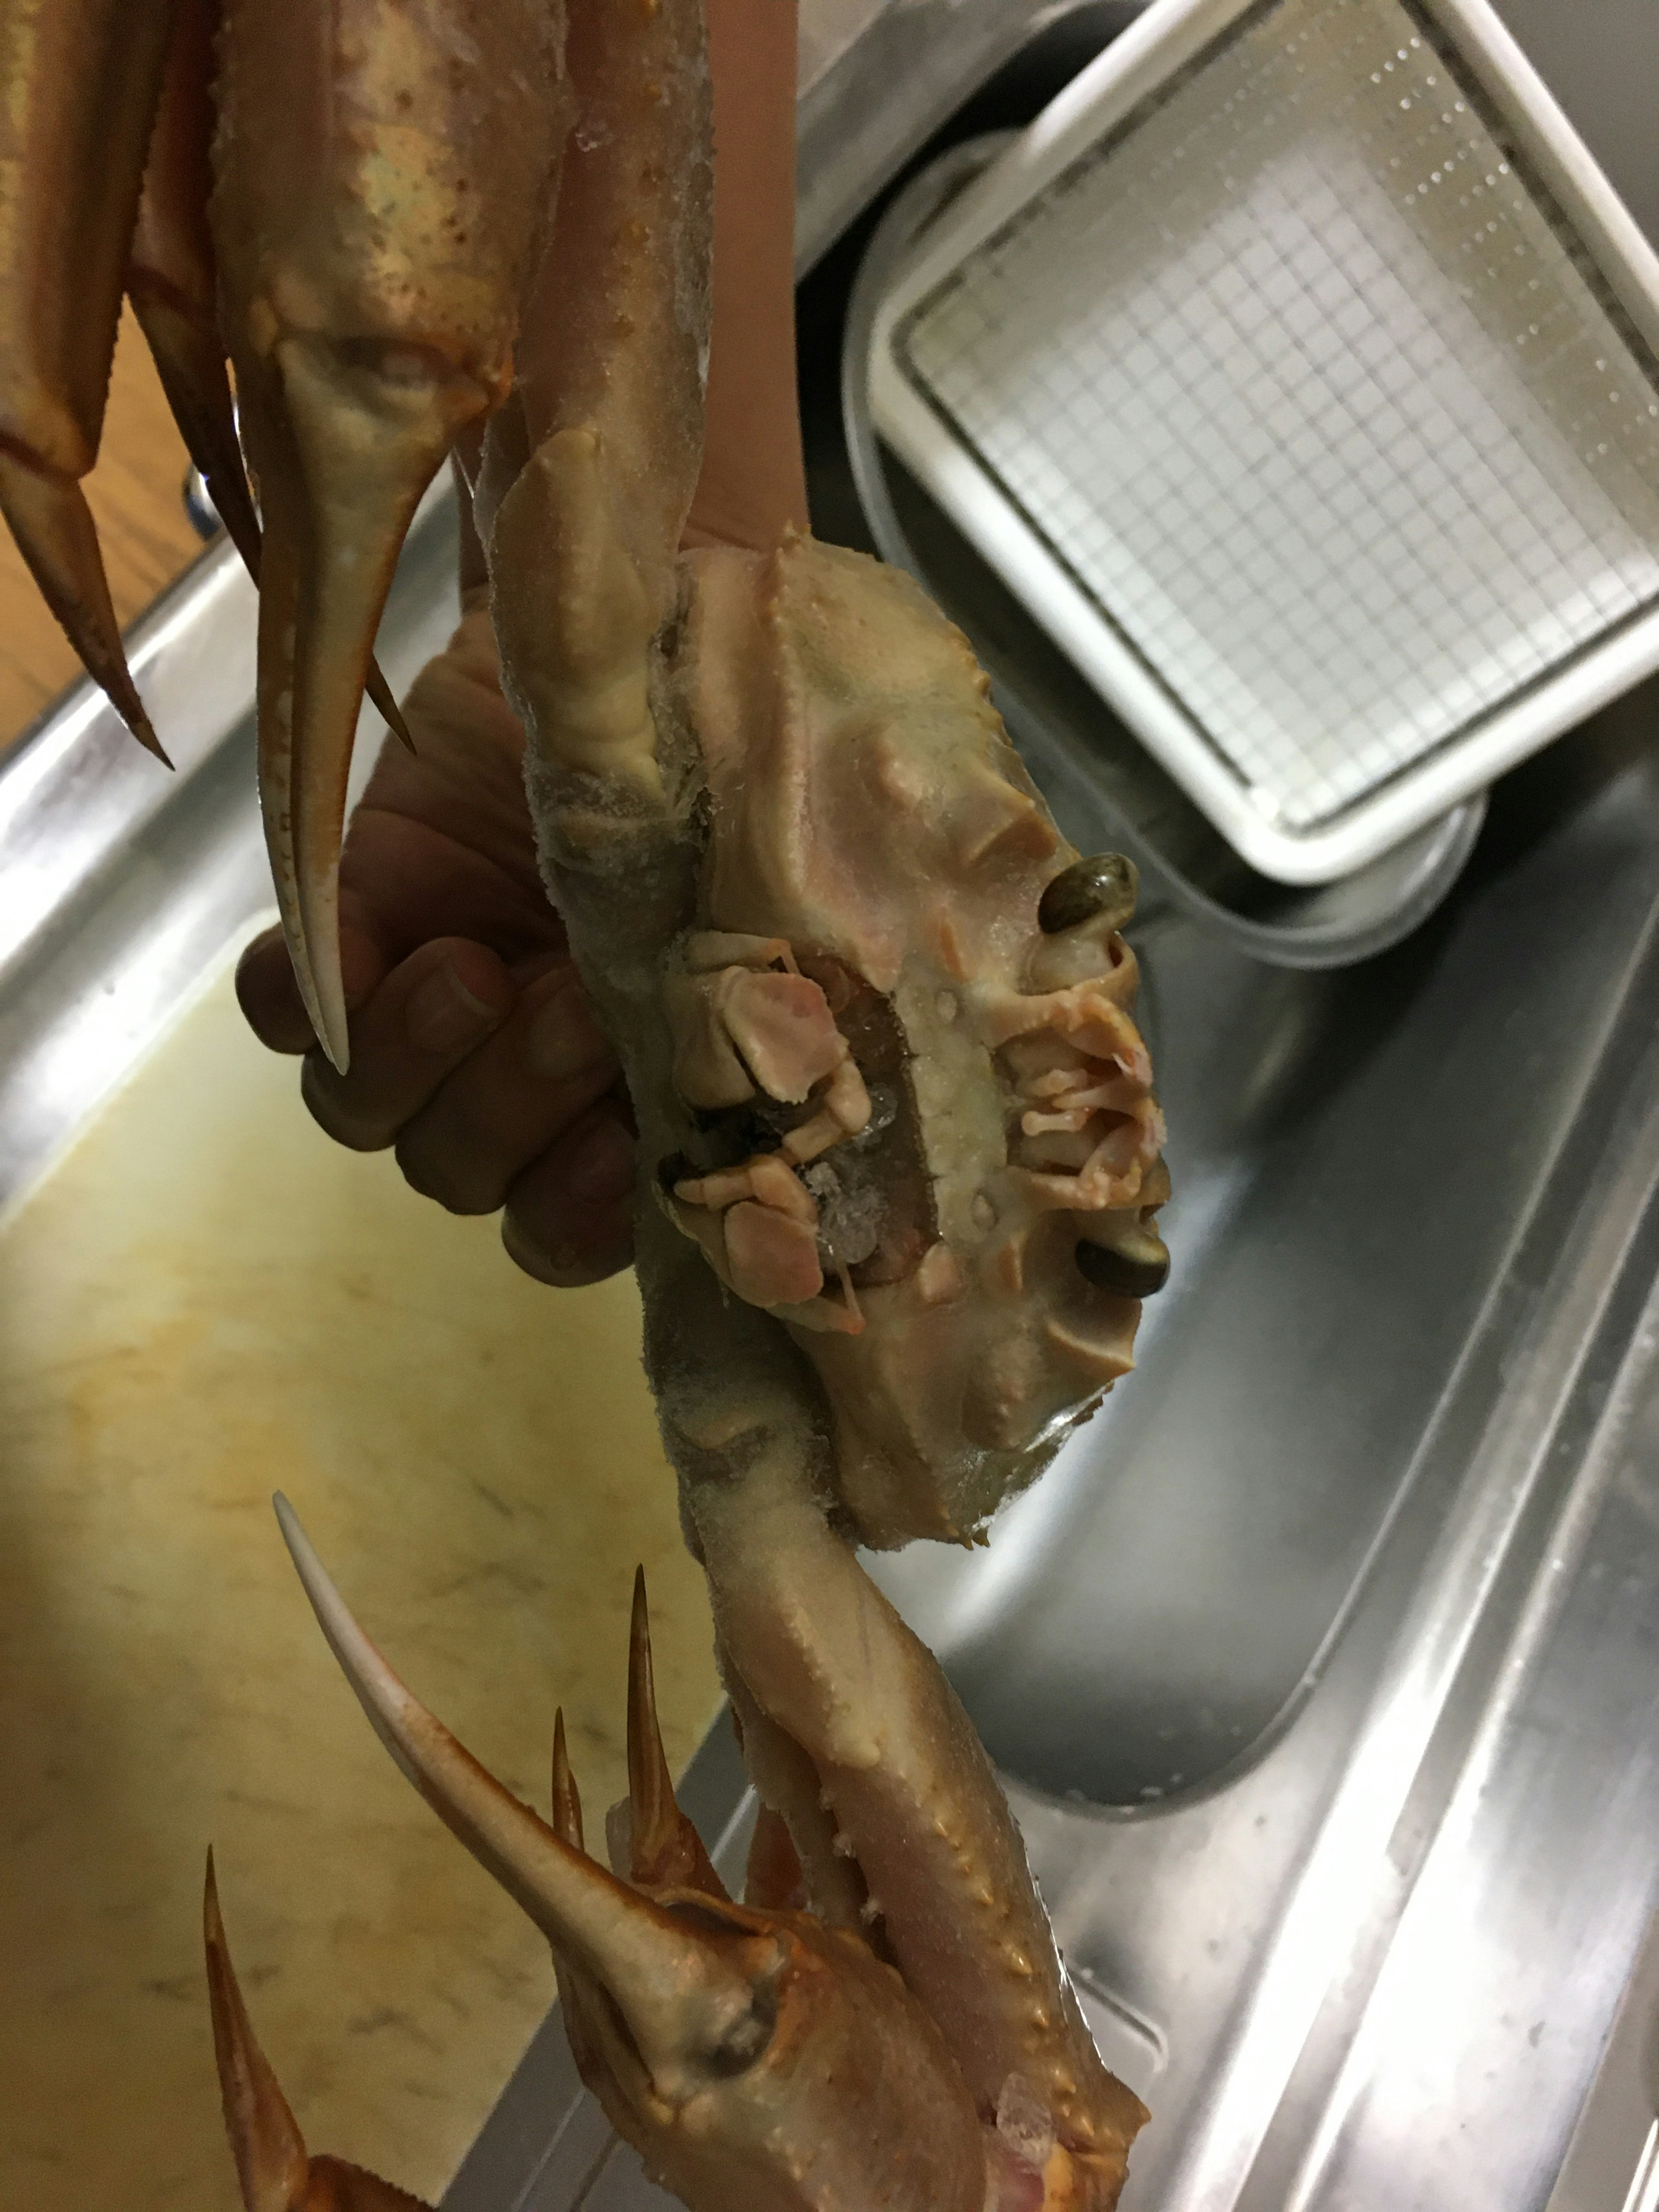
(1297, 370)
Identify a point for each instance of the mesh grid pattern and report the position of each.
(1317, 398)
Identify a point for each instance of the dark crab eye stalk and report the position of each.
(1134, 1265)
(1101, 891)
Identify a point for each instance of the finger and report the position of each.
(512, 1099)
(569, 1217)
(431, 1012)
(270, 997)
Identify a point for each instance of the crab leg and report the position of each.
(371, 317)
(83, 78)
(752, 2056)
(848, 1722)
(611, 370)
(172, 282)
(393, 283)
(670, 1988)
(880, 1742)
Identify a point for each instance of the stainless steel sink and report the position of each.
(1324, 1665)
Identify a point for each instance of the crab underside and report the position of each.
(901, 1158)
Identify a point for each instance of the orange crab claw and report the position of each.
(679, 1990)
(275, 2173)
(752, 2057)
(371, 319)
(172, 283)
(83, 78)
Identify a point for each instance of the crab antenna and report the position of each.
(676, 1984)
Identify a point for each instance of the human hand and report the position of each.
(473, 1050)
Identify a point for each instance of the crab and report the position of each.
(902, 1161)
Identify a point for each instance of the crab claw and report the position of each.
(686, 1995)
(754, 2058)
(275, 2173)
(171, 281)
(344, 451)
(371, 319)
(83, 78)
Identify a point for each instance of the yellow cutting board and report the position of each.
(205, 1302)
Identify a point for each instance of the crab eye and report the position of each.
(1100, 889)
(1137, 1266)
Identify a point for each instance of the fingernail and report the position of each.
(563, 1039)
(602, 1167)
(546, 1266)
(565, 1265)
(442, 1013)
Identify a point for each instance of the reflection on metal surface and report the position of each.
(1644, 2187)
(1613, 2159)
(879, 77)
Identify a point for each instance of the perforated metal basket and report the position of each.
(1297, 370)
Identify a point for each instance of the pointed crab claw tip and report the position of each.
(677, 1988)
(385, 702)
(54, 532)
(272, 2166)
(566, 1798)
(314, 947)
(336, 1044)
(269, 2149)
(665, 1848)
(344, 450)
